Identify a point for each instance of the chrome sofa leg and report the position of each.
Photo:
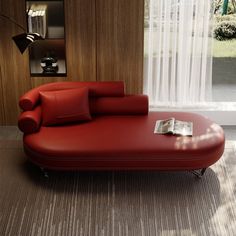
(45, 173)
(199, 173)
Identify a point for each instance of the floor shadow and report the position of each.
(163, 195)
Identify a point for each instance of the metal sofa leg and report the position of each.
(199, 173)
(45, 173)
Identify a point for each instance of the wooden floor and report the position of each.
(122, 203)
(10, 133)
(230, 132)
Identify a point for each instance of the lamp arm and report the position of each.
(13, 21)
(22, 41)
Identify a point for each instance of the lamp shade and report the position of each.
(22, 41)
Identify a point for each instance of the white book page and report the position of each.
(183, 128)
(164, 126)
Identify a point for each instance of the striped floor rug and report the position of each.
(115, 203)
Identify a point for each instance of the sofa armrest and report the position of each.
(29, 121)
(29, 100)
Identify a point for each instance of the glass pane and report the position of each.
(224, 51)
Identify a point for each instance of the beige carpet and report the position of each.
(120, 203)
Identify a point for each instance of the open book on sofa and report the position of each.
(173, 126)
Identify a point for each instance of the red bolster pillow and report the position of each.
(96, 89)
(128, 105)
(29, 121)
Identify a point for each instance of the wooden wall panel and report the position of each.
(80, 43)
(80, 39)
(37, 81)
(2, 118)
(104, 41)
(14, 65)
(120, 42)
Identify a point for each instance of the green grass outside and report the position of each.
(225, 48)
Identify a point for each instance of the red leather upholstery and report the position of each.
(126, 142)
(107, 89)
(64, 106)
(120, 135)
(127, 105)
(29, 121)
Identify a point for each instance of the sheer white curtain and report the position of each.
(178, 53)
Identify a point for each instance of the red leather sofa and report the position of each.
(95, 126)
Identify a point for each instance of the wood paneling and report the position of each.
(80, 39)
(2, 118)
(37, 81)
(104, 41)
(14, 66)
(80, 43)
(120, 42)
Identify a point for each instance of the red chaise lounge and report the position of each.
(95, 126)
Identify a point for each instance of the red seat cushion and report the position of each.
(65, 106)
(126, 142)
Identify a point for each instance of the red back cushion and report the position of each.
(64, 106)
(96, 89)
(127, 105)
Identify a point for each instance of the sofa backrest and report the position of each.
(127, 105)
(105, 98)
(30, 99)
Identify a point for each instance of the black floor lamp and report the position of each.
(23, 40)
